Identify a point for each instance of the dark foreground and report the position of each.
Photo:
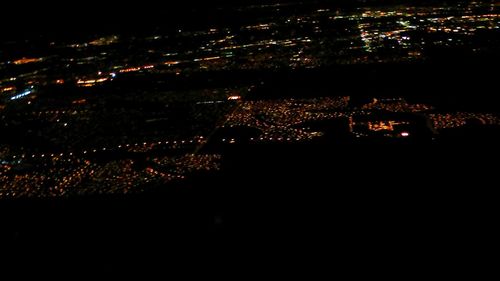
(412, 206)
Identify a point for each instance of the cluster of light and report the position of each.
(382, 126)
(460, 119)
(7, 89)
(189, 163)
(280, 120)
(27, 60)
(69, 174)
(92, 82)
(53, 177)
(110, 178)
(234, 98)
(207, 59)
(135, 69)
(389, 128)
(131, 69)
(262, 26)
(171, 63)
(377, 27)
(396, 105)
(21, 95)
(104, 41)
(268, 43)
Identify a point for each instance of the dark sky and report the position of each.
(72, 10)
(22, 19)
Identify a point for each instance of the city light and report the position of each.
(21, 95)
(27, 60)
(285, 78)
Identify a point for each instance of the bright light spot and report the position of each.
(405, 134)
(234, 98)
(7, 89)
(27, 60)
(21, 95)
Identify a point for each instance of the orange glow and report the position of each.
(234, 98)
(59, 81)
(27, 60)
(85, 81)
(101, 80)
(91, 82)
(7, 89)
(132, 69)
(380, 126)
(82, 101)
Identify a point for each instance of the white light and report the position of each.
(22, 95)
(405, 134)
